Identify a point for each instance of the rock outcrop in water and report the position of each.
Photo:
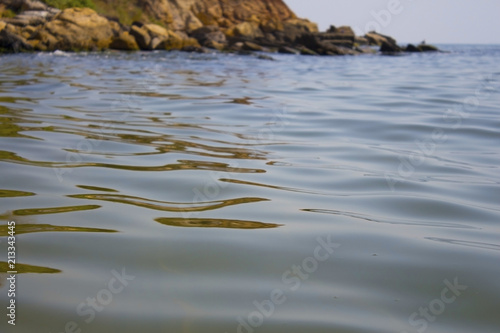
(190, 25)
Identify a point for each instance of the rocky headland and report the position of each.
(187, 25)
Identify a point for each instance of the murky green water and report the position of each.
(168, 192)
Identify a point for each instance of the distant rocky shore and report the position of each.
(187, 25)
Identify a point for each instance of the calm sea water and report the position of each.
(173, 192)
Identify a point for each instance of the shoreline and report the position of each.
(38, 27)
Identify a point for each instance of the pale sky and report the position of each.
(409, 21)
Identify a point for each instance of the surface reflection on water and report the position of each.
(210, 179)
(214, 223)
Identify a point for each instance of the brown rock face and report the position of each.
(189, 15)
(76, 29)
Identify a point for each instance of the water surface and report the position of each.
(224, 193)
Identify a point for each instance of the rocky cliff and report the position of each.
(190, 25)
(192, 14)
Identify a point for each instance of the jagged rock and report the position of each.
(288, 50)
(214, 45)
(155, 37)
(294, 28)
(390, 48)
(227, 13)
(341, 36)
(76, 29)
(374, 38)
(305, 51)
(250, 30)
(43, 41)
(412, 48)
(421, 48)
(271, 26)
(125, 42)
(235, 25)
(428, 48)
(210, 36)
(361, 41)
(28, 31)
(13, 43)
(176, 42)
(189, 15)
(313, 42)
(141, 37)
(156, 31)
(309, 40)
(249, 46)
(13, 29)
(2, 25)
(30, 17)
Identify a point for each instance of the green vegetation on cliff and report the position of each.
(63, 4)
(125, 10)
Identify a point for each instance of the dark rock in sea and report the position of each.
(294, 28)
(342, 36)
(428, 48)
(412, 48)
(288, 50)
(374, 38)
(265, 57)
(210, 36)
(305, 51)
(421, 48)
(390, 48)
(314, 42)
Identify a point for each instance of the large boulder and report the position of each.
(421, 48)
(374, 38)
(390, 48)
(124, 42)
(341, 36)
(155, 37)
(141, 36)
(210, 36)
(428, 48)
(288, 50)
(76, 29)
(245, 30)
(294, 28)
(313, 41)
(209, 33)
